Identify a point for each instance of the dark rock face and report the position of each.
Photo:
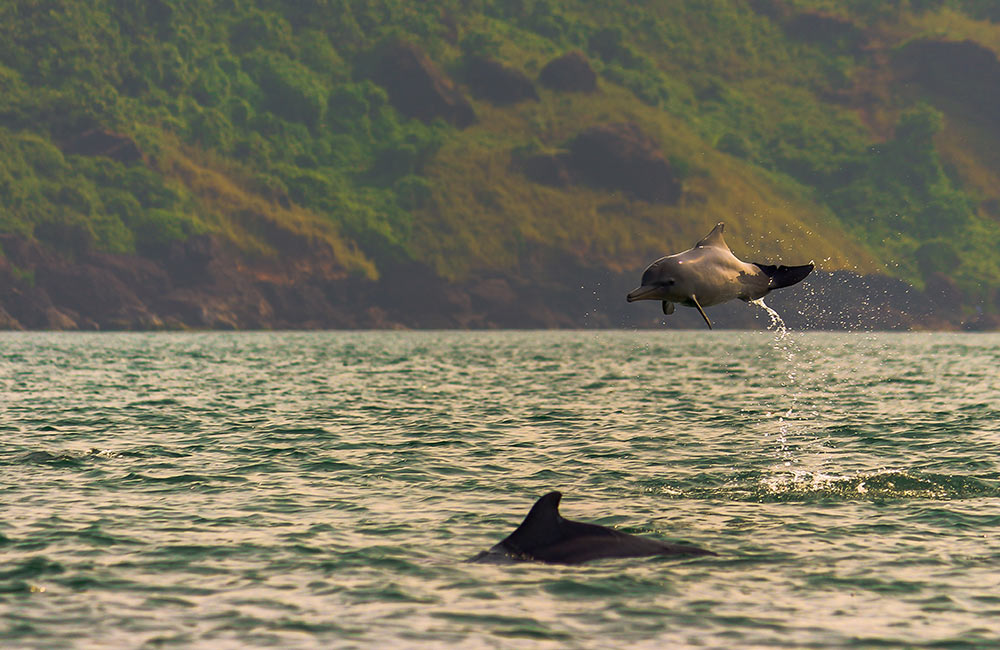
(101, 142)
(417, 88)
(960, 70)
(203, 285)
(818, 27)
(618, 157)
(842, 300)
(497, 83)
(569, 73)
(94, 295)
(622, 157)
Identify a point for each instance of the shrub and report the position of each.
(211, 129)
(734, 144)
(210, 86)
(937, 256)
(158, 226)
(290, 90)
(412, 192)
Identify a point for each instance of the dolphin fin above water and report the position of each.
(709, 274)
(714, 239)
(545, 536)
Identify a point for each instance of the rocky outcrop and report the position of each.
(569, 73)
(816, 27)
(617, 157)
(417, 88)
(496, 83)
(622, 157)
(203, 285)
(961, 71)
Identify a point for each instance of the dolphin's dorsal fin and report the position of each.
(714, 238)
(543, 525)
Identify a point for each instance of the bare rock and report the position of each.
(982, 322)
(942, 291)
(95, 295)
(622, 157)
(961, 70)
(195, 309)
(190, 261)
(417, 88)
(57, 319)
(8, 322)
(569, 73)
(501, 85)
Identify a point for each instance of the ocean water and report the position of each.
(323, 490)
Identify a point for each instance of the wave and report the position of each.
(869, 486)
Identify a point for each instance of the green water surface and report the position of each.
(319, 490)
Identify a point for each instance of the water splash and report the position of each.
(777, 323)
(786, 346)
(870, 485)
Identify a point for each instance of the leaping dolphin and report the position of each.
(709, 274)
(544, 536)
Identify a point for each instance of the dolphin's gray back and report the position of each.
(715, 275)
(546, 536)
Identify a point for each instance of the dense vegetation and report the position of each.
(252, 114)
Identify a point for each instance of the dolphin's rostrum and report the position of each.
(709, 274)
(545, 536)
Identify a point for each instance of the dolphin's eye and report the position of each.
(649, 279)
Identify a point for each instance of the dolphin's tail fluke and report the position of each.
(784, 276)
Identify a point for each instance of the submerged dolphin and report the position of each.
(709, 274)
(544, 536)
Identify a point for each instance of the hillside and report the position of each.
(337, 163)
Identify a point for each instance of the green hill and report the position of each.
(231, 163)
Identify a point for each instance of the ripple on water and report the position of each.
(323, 489)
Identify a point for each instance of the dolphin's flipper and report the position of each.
(668, 307)
(784, 276)
(701, 311)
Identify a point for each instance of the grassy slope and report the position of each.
(730, 97)
(494, 213)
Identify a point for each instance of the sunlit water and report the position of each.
(323, 489)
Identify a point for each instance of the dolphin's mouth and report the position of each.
(642, 293)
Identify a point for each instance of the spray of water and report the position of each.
(776, 324)
(785, 345)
